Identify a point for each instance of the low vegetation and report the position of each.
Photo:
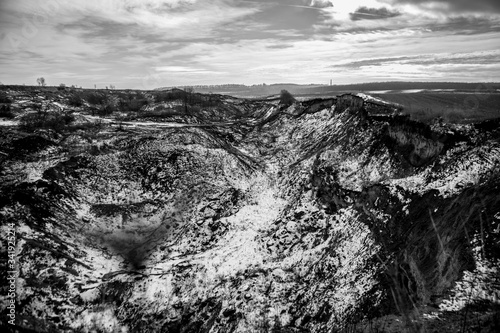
(187, 96)
(95, 98)
(104, 103)
(75, 100)
(5, 110)
(55, 120)
(4, 98)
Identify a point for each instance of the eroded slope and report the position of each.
(324, 215)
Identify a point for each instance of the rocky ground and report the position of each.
(251, 216)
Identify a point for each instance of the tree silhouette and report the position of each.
(286, 98)
(41, 81)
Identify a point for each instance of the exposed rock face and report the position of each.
(318, 217)
(350, 101)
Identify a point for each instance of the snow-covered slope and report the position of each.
(317, 217)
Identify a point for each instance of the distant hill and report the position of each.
(261, 90)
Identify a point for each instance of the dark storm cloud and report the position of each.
(366, 13)
(458, 5)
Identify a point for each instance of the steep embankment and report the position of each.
(326, 215)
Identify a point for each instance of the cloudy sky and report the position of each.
(150, 43)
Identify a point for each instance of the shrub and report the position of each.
(195, 109)
(75, 100)
(106, 108)
(95, 98)
(94, 127)
(4, 98)
(286, 98)
(5, 111)
(53, 120)
(102, 104)
(133, 105)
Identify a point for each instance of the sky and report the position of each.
(145, 44)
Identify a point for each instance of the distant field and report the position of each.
(262, 90)
(454, 107)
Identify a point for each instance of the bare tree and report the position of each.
(41, 81)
